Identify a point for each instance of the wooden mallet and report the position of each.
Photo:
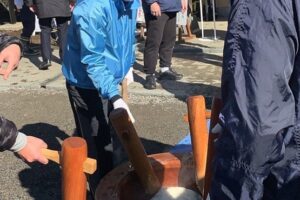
(199, 135)
(135, 150)
(74, 162)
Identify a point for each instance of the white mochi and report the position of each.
(176, 193)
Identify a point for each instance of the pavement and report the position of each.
(198, 59)
(37, 102)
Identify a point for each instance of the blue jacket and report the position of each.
(100, 45)
(165, 5)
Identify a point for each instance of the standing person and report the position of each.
(28, 22)
(261, 102)
(45, 11)
(99, 53)
(160, 16)
(28, 147)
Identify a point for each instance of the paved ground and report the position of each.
(37, 102)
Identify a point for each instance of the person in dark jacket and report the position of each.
(46, 11)
(28, 21)
(160, 16)
(260, 135)
(27, 147)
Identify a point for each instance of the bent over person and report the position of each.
(99, 53)
(28, 147)
(260, 91)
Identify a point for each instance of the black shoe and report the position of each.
(27, 50)
(44, 65)
(150, 83)
(30, 52)
(170, 75)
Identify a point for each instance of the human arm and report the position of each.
(72, 4)
(31, 5)
(94, 31)
(10, 52)
(27, 147)
(183, 6)
(155, 9)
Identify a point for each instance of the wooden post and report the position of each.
(216, 108)
(135, 150)
(199, 136)
(74, 154)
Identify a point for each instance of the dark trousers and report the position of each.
(91, 118)
(161, 37)
(45, 25)
(28, 22)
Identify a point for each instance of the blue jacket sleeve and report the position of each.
(92, 34)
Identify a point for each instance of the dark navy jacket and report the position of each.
(165, 5)
(8, 130)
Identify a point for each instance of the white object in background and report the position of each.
(140, 18)
(129, 76)
(19, 4)
(181, 18)
(178, 193)
(37, 26)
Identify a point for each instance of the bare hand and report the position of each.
(155, 9)
(11, 55)
(72, 5)
(33, 150)
(183, 6)
(32, 8)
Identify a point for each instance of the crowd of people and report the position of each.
(258, 126)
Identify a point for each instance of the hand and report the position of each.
(32, 8)
(120, 103)
(11, 54)
(72, 5)
(155, 9)
(33, 150)
(183, 6)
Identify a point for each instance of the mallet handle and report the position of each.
(89, 165)
(199, 135)
(135, 150)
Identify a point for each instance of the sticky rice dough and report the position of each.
(176, 193)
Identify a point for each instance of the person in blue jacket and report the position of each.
(258, 151)
(98, 55)
(160, 16)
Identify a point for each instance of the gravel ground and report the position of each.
(46, 114)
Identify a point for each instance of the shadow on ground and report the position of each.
(43, 182)
(181, 90)
(192, 52)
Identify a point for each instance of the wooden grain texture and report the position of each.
(89, 165)
(135, 150)
(199, 136)
(74, 154)
(186, 116)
